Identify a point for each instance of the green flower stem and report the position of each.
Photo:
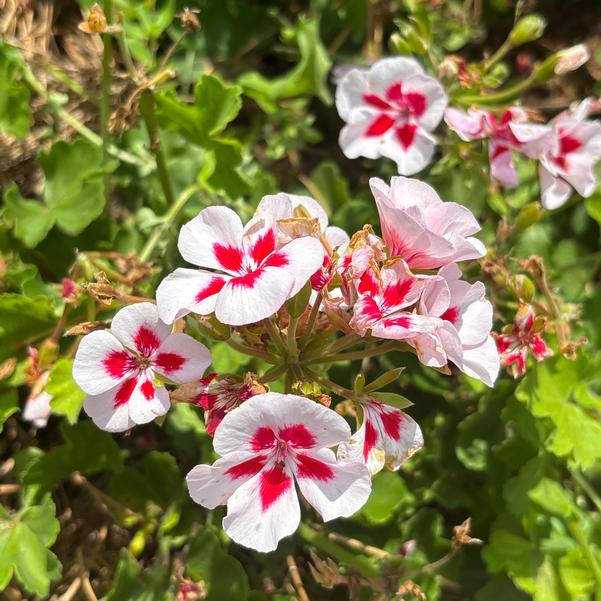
(78, 126)
(497, 98)
(345, 393)
(273, 373)
(337, 345)
(578, 534)
(321, 541)
(168, 220)
(500, 53)
(249, 350)
(291, 340)
(311, 321)
(147, 108)
(275, 336)
(587, 488)
(352, 356)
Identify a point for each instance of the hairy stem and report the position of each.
(249, 350)
(354, 355)
(275, 336)
(332, 386)
(291, 339)
(311, 321)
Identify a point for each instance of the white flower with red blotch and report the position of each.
(463, 336)
(390, 110)
(523, 337)
(568, 156)
(266, 444)
(511, 131)
(245, 275)
(117, 368)
(387, 437)
(384, 297)
(420, 228)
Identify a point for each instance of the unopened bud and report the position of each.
(521, 287)
(528, 215)
(527, 29)
(571, 59)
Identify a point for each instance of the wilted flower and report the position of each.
(390, 110)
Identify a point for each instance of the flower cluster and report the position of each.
(276, 288)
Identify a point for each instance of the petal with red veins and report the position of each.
(380, 124)
(188, 291)
(101, 362)
(256, 417)
(140, 328)
(213, 485)
(181, 359)
(468, 126)
(213, 239)
(501, 164)
(333, 489)
(263, 510)
(148, 402)
(352, 140)
(409, 146)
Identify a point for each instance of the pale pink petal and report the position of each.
(181, 359)
(404, 326)
(263, 510)
(436, 297)
(308, 424)
(581, 174)
(213, 239)
(475, 321)
(334, 490)
(468, 126)
(274, 207)
(213, 485)
(501, 164)
(429, 349)
(37, 409)
(436, 99)
(101, 362)
(188, 291)
(554, 190)
(140, 328)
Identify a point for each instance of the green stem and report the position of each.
(322, 542)
(497, 98)
(588, 489)
(366, 352)
(249, 350)
(311, 321)
(578, 534)
(291, 339)
(147, 108)
(345, 393)
(105, 102)
(168, 220)
(273, 373)
(126, 56)
(503, 49)
(275, 336)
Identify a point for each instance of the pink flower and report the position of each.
(390, 111)
(220, 394)
(117, 368)
(422, 229)
(523, 337)
(510, 131)
(384, 299)
(568, 155)
(266, 444)
(37, 408)
(253, 276)
(465, 321)
(387, 437)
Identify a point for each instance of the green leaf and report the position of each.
(225, 359)
(9, 404)
(387, 495)
(225, 578)
(392, 398)
(215, 105)
(551, 497)
(15, 114)
(21, 318)
(67, 396)
(308, 77)
(386, 378)
(32, 220)
(576, 575)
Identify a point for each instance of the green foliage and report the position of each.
(15, 114)
(67, 397)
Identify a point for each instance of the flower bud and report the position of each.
(527, 29)
(571, 59)
(521, 287)
(528, 215)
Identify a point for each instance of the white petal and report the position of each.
(436, 99)
(336, 236)
(274, 207)
(389, 71)
(468, 126)
(304, 257)
(349, 92)
(100, 409)
(37, 409)
(140, 328)
(213, 485)
(311, 425)
(312, 207)
(501, 165)
(554, 191)
(353, 140)
(334, 490)
(212, 229)
(101, 362)
(181, 359)
(412, 159)
(188, 291)
(148, 402)
(482, 362)
(263, 510)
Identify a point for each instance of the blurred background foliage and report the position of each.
(102, 157)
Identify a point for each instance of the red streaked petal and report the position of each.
(272, 485)
(118, 363)
(169, 361)
(416, 102)
(380, 125)
(263, 246)
(371, 438)
(278, 259)
(395, 92)
(309, 467)
(247, 280)
(213, 287)
(375, 101)
(263, 438)
(368, 284)
(229, 257)
(391, 421)
(569, 144)
(247, 468)
(124, 392)
(147, 389)
(297, 435)
(403, 322)
(539, 347)
(498, 150)
(451, 314)
(406, 134)
(146, 341)
(396, 294)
